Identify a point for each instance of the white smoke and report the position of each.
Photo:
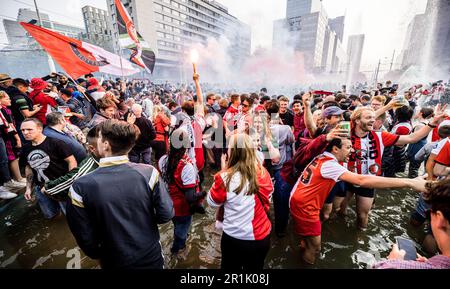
(273, 68)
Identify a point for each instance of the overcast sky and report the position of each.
(383, 21)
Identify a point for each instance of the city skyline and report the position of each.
(384, 23)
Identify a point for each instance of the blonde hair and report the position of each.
(380, 98)
(356, 115)
(243, 160)
(156, 109)
(3, 94)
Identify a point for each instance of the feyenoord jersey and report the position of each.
(368, 152)
(443, 157)
(313, 187)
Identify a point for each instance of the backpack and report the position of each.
(291, 170)
(198, 140)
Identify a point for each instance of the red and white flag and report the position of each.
(76, 57)
(129, 37)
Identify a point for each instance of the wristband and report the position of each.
(432, 126)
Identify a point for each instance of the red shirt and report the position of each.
(186, 177)
(230, 118)
(260, 108)
(314, 186)
(299, 124)
(38, 97)
(443, 157)
(161, 121)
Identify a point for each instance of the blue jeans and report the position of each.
(4, 169)
(281, 195)
(181, 231)
(50, 208)
(135, 155)
(420, 213)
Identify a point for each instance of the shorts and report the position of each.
(362, 192)
(340, 190)
(13, 153)
(307, 228)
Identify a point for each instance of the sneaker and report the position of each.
(12, 184)
(23, 181)
(5, 194)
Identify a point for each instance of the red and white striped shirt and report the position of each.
(366, 160)
(245, 216)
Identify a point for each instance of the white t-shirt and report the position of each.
(440, 145)
(332, 169)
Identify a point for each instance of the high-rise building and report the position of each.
(355, 49)
(438, 15)
(305, 34)
(337, 25)
(413, 45)
(172, 27)
(328, 49)
(339, 54)
(427, 39)
(98, 27)
(297, 8)
(307, 29)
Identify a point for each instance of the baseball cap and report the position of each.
(4, 77)
(332, 110)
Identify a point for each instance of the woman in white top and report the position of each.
(244, 188)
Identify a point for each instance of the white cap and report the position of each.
(445, 123)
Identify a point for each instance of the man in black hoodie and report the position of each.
(142, 148)
(21, 105)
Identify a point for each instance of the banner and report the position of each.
(76, 57)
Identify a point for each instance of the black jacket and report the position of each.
(148, 133)
(114, 214)
(19, 100)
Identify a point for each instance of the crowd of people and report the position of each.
(151, 143)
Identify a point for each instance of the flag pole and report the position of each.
(76, 83)
(118, 42)
(51, 64)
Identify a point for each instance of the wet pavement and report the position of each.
(27, 240)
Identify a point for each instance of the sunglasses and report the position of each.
(245, 105)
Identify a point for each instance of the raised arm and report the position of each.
(385, 108)
(199, 104)
(308, 117)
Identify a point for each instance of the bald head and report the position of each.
(137, 110)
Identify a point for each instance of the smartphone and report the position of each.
(408, 246)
